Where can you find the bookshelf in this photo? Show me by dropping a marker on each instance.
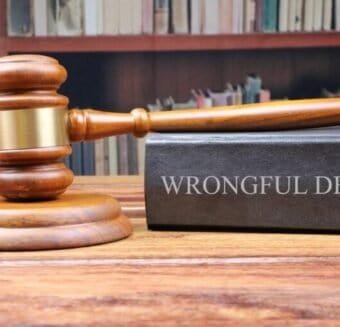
(172, 42)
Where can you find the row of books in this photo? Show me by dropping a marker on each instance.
(251, 91)
(116, 155)
(135, 17)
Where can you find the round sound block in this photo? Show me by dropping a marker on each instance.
(73, 220)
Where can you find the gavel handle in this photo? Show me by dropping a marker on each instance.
(92, 124)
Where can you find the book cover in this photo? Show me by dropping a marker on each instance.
(317, 17)
(111, 17)
(147, 17)
(180, 16)
(69, 17)
(196, 16)
(283, 15)
(161, 16)
(308, 15)
(88, 155)
(249, 16)
(327, 15)
(40, 17)
(237, 16)
(226, 16)
(211, 22)
(90, 17)
(267, 180)
(20, 18)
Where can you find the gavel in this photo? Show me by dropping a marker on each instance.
(36, 129)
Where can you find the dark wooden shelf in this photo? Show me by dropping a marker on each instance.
(171, 42)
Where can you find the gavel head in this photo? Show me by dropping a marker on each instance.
(33, 128)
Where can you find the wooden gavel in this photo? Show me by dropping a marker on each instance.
(36, 128)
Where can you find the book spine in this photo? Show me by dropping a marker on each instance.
(327, 15)
(88, 158)
(123, 155)
(90, 17)
(283, 16)
(52, 12)
(19, 18)
(113, 156)
(180, 16)
(147, 13)
(196, 16)
(99, 157)
(308, 15)
(141, 155)
(161, 16)
(100, 18)
(40, 17)
(258, 15)
(317, 18)
(70, 18)
(136, 13)
(250, 14)
(291, 16)
(298, 15)
(337, 15)
(211, 22)
(77, 159)
(111, 17)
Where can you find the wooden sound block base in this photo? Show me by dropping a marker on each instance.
(73, 220)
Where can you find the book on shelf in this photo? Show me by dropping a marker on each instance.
(237, 16)
(269, 16)
(317, 18)
(111, 17)
(69, 17)
(196, 18)
(90, 17)
(19, 18)
(337, 15)
(327, 15)
(180, 16)
(249, 16)
(225, 16)
(210, 17)
(308, 15)
(161, 16)
(40, 17)
(147, 17)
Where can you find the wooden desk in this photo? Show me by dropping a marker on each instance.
(167, 278)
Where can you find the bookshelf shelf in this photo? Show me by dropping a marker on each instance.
(158, 43)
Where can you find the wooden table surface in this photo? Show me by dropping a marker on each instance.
(174, 278)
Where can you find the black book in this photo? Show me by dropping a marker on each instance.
(287, 180)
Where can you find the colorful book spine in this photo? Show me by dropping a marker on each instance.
(161, 16)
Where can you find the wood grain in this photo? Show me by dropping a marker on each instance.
(174, 278)
(146, 43)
